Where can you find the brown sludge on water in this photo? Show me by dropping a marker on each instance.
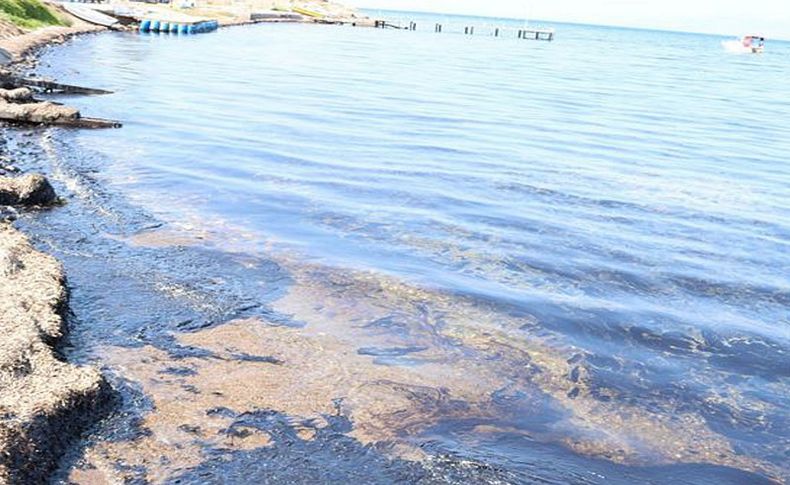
(395, 360)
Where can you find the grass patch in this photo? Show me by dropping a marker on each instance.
(28, 14)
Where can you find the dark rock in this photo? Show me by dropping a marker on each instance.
(32, 189)
(8, 214)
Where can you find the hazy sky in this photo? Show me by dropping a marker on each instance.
(769, 17)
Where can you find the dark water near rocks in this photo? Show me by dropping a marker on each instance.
(596, 229)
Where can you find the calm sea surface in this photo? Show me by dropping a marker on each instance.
(597, 228)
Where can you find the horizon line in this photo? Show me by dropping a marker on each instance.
(580, 24)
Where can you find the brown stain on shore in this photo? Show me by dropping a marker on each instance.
(460, 356)
(315, 371)
(192, 232)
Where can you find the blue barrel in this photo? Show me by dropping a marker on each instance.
(184, 29)
(154, 26)
(164, 27)
(174, 28)
(145, 26)
(192, 29)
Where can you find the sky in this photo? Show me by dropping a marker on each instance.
(730, 17)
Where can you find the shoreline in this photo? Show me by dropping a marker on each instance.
(47, 403)
(24, 47)
(198, 385)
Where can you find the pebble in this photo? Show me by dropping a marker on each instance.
(8, 214)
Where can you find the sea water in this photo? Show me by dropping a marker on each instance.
(599, 224)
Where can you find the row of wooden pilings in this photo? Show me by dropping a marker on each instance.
(532, 34)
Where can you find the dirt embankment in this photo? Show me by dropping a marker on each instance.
(44, 401)
(19, 42)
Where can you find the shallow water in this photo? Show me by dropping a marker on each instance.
(559, 261)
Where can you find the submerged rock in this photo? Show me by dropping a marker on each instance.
(32, 189)
(44, 401)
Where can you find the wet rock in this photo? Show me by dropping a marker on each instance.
(44, 112)
(44, 401)
(8, 214)
(18, 95)
(32, 189)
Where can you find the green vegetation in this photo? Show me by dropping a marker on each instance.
(28, 14)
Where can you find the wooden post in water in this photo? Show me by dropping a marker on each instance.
(496, 32)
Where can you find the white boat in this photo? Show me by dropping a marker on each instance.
(754, 42)
(90, 15)
(751, 44)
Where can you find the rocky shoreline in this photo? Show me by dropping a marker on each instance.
(45, 402)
